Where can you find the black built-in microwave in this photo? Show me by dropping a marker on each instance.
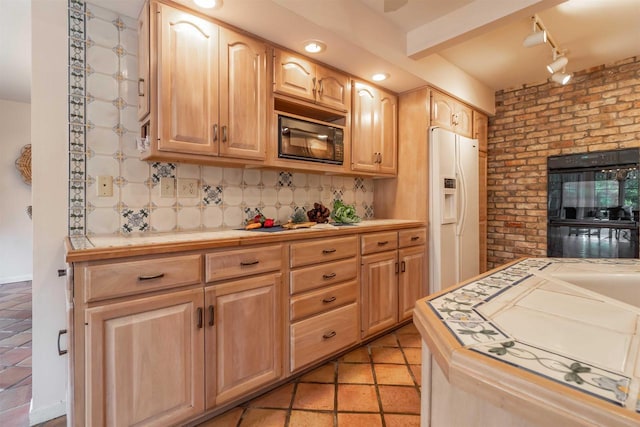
(311, 141)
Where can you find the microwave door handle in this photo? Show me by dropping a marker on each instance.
(306, 132)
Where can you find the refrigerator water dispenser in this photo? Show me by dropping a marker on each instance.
(449, 208)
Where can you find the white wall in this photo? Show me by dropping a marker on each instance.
(50, 177)
(15, 226)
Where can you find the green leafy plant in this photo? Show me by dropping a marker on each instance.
(344, 213)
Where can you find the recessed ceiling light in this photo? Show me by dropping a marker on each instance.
(208, 4)
(314, 46)
(378, 77)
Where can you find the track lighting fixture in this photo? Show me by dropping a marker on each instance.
(559, 62)
(537, 36)
(562, 78)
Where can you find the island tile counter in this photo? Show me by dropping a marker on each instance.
(538, 342)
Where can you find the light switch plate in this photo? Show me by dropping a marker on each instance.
(167, 187)
(105, 186)
(187, 187)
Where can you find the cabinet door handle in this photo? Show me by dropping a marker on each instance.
(321, 88)
(224, 133)
(397, 268)
(60, 333)
(314, 87)
(199, 314)
(383, 243)
(247, 263)
(328, 276)
(328, 300)
(215, 133)
(151, 276)
(402, 267)
(414, 238)
(379, 157)
(329, 335)
(328, 251)
(140, 86)
(211, 313)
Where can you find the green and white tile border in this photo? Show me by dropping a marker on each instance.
(458, 311)
(102, 130)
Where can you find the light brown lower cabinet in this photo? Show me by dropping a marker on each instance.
(379, 292)
(411, 279)
(145, 361)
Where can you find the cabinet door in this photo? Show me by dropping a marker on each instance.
(388, 133)
(248, 336)
(243, 70)
(294, 75)
(145, 361)
(143, 62)
(187, 82)
(412, 279)
(480, 132)
(441, 110)
(333, 89)
(463, 122)
(379, 292)
(365, 134)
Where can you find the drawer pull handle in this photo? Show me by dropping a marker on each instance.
(247, 263)
(414, 238)
(403, 267)
(329, 335)
(328, 300)
(383, 243)
(211, 322)
(329, 276)
(328, 251)
(60, 351)
(199, 314)
(150, 276)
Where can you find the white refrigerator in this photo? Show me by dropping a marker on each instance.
(453, 209)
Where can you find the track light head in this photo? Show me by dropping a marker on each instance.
(558, 64)
(535, 38)
(561, 78)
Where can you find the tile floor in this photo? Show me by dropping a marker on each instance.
(377, 384)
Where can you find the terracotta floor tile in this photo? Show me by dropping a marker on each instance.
(56, 422)
(324, 374)
(357, 398)
(228, 419)
(393, 374)
(314, 396)
(355, 373)
(15, 396)
(12, 375)
(359, 355)
(396, 420)
(387, 355)
(410, 340)
(385, 341)
(264, 418)
(413, 355)
(15, 314)
(359, 420)
(4, 323)
(278, 398)
(311, 419)
(14, 356)
(405, 400)
(15, 417)
(408, 329)
(417, 373)
(26, 362)
(26, 381)
(19, 326)
(16, 340)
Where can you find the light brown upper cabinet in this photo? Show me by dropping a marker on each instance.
(301, 78)
(450, 114)
(143, 62)
(374, 134)
(211, 89)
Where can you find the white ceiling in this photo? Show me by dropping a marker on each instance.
(483, 38)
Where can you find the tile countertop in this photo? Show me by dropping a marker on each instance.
(544, 334)
(85, 248)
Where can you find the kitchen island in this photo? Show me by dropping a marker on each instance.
(537, 342)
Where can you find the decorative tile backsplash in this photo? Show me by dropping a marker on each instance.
(103, 127)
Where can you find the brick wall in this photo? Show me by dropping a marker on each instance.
(598, 110)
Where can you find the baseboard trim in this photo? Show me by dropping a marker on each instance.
(13, 279)
(48, 413)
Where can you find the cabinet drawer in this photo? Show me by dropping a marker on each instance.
(414, 237)
(243, 262)
(316, 251)
(379, 242)
(322, 300)
(321, 335)
(323, 275)
(134, 277)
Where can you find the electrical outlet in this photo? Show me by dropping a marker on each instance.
(105, 186)
(187, 187)
(167, 187)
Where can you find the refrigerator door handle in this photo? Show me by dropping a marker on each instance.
(461, 193)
